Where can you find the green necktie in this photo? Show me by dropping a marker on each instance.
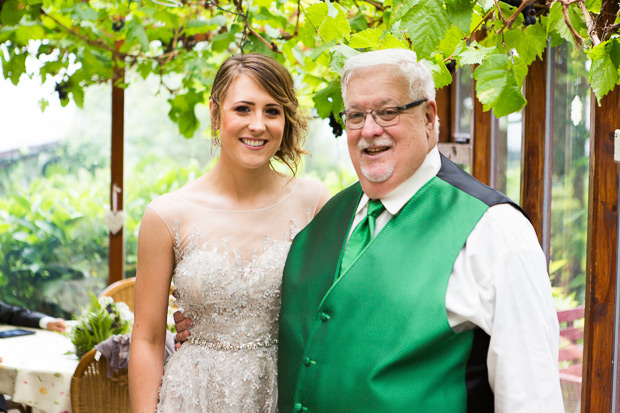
(362, 234)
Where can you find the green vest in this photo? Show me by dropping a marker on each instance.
(377, 339)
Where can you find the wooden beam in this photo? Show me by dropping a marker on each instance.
(602, 251)
(533, 145)
(444, 99)
(480, 140)
(459, 153)
(601, 256)
(116, 259)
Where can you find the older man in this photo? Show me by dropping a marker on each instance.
(418, 288)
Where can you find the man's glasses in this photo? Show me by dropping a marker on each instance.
(388, 116)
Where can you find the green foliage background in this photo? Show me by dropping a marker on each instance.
(79, 42)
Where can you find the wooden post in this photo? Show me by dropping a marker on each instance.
(533, 145)
(601, 261)
(602, 257)
(117, 241)
(444, 98)
(480, 140)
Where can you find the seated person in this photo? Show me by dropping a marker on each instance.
(22, 317)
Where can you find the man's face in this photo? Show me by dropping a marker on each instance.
(384, 157)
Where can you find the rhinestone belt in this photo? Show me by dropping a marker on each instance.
(223, 345)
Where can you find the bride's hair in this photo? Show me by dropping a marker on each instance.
(278, 83)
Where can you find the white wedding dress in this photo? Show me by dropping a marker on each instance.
(227, 277)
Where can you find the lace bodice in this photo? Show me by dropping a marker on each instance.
(227, 277)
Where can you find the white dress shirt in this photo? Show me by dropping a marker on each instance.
(499, 283)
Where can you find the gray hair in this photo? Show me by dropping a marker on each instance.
(418, 74)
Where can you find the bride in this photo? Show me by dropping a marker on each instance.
(223, 239)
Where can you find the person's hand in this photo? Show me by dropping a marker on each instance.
(0, 359)
(181, 323)
(57, 325)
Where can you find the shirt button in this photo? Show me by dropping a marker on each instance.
(306, 361)
(299, 407)
(323, 317)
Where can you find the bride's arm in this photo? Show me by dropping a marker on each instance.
(155, 266)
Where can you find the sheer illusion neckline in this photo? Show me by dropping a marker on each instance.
(206, 208)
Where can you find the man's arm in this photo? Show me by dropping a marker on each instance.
(18, 316)
(506, 291)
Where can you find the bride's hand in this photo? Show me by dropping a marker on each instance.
(181, 323)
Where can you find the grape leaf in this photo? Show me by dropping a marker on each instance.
(11, 13)
(426, 24)
(339, 56)
(441, 74)
(473, 54)
(604, 74)
(520, 69)
(460, 13)
(485, 4)
(401, 7)
(328, 100)
(529, 42)
(451, 40)
(24, 34)
(322, 48)
(182, 112)
(366, 38)
(329, 28)
(392, 42)
(496, 86)
(594, 6)
(136, 32)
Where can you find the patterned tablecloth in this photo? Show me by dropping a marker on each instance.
(36, 370)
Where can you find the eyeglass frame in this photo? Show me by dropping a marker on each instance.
(374, 115)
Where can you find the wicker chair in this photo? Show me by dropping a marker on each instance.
(121, 291)
(93, 392)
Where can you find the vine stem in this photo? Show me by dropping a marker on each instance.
(514, 15)
(272, 46)
(589, 23)
(96, 43)
(578, 39)
(315, 29)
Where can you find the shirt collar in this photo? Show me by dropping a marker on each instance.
(395, 200)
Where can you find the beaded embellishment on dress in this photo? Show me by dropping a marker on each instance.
(234, 305)
(227, 279)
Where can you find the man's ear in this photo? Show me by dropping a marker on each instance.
(431, 114)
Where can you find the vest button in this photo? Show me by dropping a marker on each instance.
(299, 407)
(306, 361)
(323, 317)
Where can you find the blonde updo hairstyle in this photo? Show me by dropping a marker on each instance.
(278, 83)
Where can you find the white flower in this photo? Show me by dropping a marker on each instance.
(576, 109)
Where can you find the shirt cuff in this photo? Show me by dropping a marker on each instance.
(43, 322)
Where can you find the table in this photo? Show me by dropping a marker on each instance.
(36, 369)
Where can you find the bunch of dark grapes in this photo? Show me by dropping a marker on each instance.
(335, 125)
(528, 12)
(118, 25)
(451, 65)
(61, 88)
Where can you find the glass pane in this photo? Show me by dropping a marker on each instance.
(506, 158)
(463, 104)
(570, 125)
(53, 243)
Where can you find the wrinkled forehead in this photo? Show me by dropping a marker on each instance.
(377, 85)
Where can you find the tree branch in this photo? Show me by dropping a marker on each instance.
(499, 11)
(508, 23)
(578, 39)
(271, 45)
(589, 23)
(96, 43)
